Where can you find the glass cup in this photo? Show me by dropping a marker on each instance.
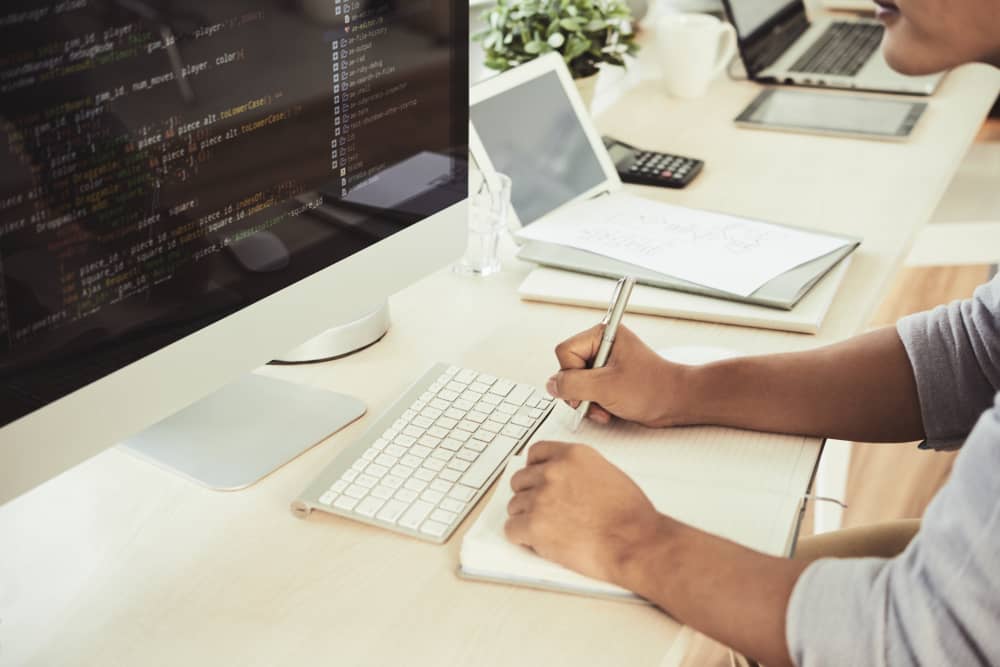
(489, 210)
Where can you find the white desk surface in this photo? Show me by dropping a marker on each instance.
(118, 563)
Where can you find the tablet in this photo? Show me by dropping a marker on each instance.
(832, 113)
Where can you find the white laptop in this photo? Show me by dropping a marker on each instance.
(531, 124)
(779, 44)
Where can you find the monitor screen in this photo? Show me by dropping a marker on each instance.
(533, 135)
(165, 163)
(749, 15)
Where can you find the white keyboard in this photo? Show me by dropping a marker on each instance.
(429, 458)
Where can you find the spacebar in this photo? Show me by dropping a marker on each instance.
(488, 461)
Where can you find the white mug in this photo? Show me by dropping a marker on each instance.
(693, 49)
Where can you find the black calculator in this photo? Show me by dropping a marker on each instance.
(635, 165)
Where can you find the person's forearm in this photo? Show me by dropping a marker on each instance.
(861, 389)
(734, 595)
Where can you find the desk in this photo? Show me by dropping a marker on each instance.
(117, 563)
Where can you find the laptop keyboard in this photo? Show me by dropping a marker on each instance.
(842, 50)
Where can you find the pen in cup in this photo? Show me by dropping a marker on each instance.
(612, 319)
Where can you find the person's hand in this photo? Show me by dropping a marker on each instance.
(575, 508)
(637, 384)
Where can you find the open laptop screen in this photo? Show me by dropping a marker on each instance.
(749, 15)
(533, 135)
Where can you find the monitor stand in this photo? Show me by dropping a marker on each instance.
(244, 431)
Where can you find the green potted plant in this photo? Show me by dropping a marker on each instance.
(588, 34)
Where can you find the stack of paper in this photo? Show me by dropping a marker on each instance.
(719, 251)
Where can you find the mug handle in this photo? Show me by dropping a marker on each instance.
(727, 48)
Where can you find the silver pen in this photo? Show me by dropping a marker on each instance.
(613, 318)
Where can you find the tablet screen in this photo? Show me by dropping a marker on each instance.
(532, 133)
(851, 114)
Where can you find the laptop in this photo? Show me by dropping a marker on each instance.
(778, 44)
(531, 124)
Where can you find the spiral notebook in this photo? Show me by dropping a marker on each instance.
(733, 483)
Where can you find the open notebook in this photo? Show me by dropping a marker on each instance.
(737, 484)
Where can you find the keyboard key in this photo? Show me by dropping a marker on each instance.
(339, 485)
(440, 404)
(432, 496)
(459, 465)
(370, 454)
(345, 503)
(476, 416)
(424, 474)
(473, 396)
(460, 435)
(463, 404)
(392, 510)
(468, 454)
(327, 498)
(514, 431)
(449, 475)
(452, 370)
(366, 481)
(451, 444)
(500, 417)
(433, 528)
(454, 413)
(501, 387)
(359, 464)
(403, 440)
(418, 405)
(434, 464)
(386, 460)
(520, 394)
(477, 445)
(406, 495)
(411, 461)
(431, 413)
(349, 475)
(507, 408)
(462, 493)
(521, 420)
(356, 491)
(429, 441)
(369, 506)
(402, 471)
(466, 376)
(394, 450)
(488, 461)
(380, 444)
(377, 471)
(480, 387)
(535, 413)
(415, 485)
(438, 432)
(486, 378)
(444, 516)
(415, 515)
(442, 454)
(457, 386)
(441, 486)
(422, 422)
(492, 426)
(466, 425)
(383, 492)
(484, 435)
(452, 505)
(419, 451)
(446, 423)
(392, 481)
(409, 415)
(491, 399)
(448, 395)
(435, 387)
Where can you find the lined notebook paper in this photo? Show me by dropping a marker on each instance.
(733, 483)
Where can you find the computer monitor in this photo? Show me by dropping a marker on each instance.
(189, 189)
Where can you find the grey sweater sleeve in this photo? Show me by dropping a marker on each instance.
(939, 602)
(955, 354)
